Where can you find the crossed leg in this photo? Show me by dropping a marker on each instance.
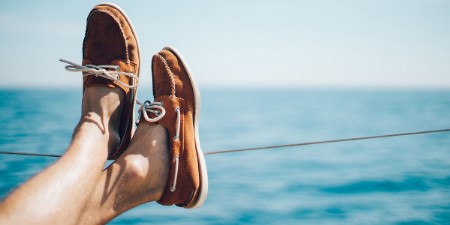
(59, 194)
(75, 190)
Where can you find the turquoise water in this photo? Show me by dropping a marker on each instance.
(404, 180)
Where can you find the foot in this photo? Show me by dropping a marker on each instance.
(110, 60)
(177, 109)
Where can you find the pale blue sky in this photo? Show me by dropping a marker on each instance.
(363, 44)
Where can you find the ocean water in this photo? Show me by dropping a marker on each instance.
(402, 180)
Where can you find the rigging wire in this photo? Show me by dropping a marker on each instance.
(328, 141)
(273, 146)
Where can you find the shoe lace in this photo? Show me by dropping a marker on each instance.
(102, 71)
(150, 107)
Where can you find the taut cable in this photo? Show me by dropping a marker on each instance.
(274, 146)
(328, 141)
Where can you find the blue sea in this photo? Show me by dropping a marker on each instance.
(401, 180)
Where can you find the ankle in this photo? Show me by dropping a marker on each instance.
(145, 177)
(146, 164)
(103, 102)
(102, 110)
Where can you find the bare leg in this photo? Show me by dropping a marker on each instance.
(59, 194)
(137, 177)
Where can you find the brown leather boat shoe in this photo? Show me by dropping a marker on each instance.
(177, 108)
(111, 58)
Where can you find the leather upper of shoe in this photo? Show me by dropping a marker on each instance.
(172, 86)
(171, 72)
(109, 40)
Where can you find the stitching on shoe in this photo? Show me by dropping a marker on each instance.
(171, 75)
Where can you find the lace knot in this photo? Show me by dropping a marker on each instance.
(102, 71)
(151, 107)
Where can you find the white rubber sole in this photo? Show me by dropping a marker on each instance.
(112, 5)
(203, 192)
